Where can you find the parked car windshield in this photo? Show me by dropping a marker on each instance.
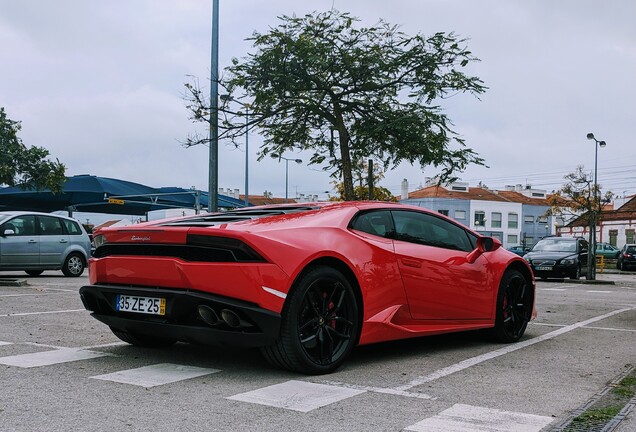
(554, 245)
(631, 249)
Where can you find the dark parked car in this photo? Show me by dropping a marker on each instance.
(35, 242)
(519, 250)
(559, 257)
(627, 257)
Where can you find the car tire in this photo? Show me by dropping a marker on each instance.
(74, 265)
(143, 340)
(577, 273)
(514, 307)
(34, 272)
(319, 324)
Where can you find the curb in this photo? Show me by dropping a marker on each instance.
(13, 282)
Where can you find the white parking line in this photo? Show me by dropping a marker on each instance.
(5, 343)
(382, 390)
(42, 313)
(155, 375)
(465, 364)
(37, 294)
(467, 418)
(599, 292)
(297, 395)
(47, 358)
(552, 289)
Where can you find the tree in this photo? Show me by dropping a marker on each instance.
(26, 166)
(349, 93)
(361, 189)
(581, 197)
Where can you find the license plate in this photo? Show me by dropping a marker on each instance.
(145, 305)
(544, 268)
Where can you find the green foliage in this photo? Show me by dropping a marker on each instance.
(26, 166)
(324, 83)
(579, 195)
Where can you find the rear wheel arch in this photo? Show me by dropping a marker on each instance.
(523, 269)
(320, 321)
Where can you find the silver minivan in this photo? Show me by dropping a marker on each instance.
(35, 242)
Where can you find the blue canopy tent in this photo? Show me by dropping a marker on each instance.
(92, 194)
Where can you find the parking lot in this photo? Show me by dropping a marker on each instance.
(62, 370)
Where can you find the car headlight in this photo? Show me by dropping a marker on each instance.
(567, 261)
(527, 259)
(99, 240)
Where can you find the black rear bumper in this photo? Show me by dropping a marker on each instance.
(259, 327)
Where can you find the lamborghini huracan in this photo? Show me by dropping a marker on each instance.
(305, 283)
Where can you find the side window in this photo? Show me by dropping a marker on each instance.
(72, 227)
(21, 225)
(377, 223)
(429, 230)
(50, 225)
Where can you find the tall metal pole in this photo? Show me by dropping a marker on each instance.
(594, 213)
(286, 177)
(596, 202)
(247, 154)
(213, 177)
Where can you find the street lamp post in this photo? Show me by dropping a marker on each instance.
(213, 173)
(596, 203)
(247, 152)
(279, 157)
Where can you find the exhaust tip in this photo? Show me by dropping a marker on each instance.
(230, 318)
(208, 315)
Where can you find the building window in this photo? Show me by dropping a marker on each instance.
(495, 221)
(629, 235)
(444, 212)
(613, 234)
(528, 219)
(542, 219)
(480, 218)
(513, 220)
(497, 235)
(460, 214)
(513, 239)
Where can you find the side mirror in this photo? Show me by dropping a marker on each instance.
(8, 232)
(484, 244)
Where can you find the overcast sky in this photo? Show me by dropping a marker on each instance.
(100, 85)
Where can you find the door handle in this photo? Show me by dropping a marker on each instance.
(32, 242)
(411, 263)
(63, 241)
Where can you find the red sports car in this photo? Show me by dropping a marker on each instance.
(305, 283)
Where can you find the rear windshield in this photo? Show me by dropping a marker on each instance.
(631, 249)
(553, 245)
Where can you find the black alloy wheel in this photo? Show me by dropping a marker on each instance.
(514, 307)
(320, 324)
